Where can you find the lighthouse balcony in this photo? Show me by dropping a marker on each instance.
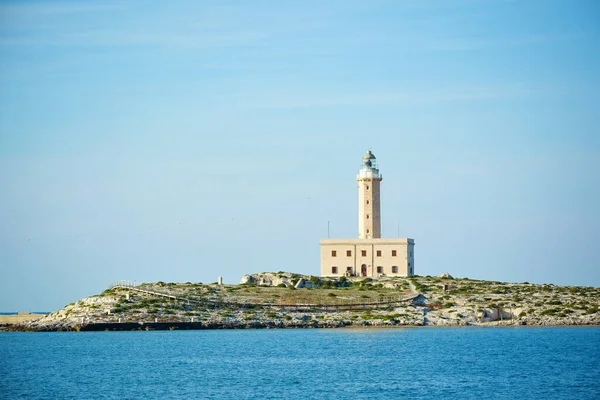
(369, 174)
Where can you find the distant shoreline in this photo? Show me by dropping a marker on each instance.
(31, 312)
(199, 326)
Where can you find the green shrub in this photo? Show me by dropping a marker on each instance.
(326, 285)
(366, 315)
(551, 311)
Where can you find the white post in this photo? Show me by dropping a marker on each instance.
(220, 281)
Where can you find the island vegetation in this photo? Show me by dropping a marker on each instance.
(287, 300)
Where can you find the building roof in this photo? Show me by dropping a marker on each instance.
(369, 156)
(367, 241)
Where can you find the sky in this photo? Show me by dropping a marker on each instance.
(183, 141)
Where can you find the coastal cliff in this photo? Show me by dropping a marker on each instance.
(287, 300)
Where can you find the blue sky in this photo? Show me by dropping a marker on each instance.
(173, 141)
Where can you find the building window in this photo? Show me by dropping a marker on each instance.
(333, 253)
(394, 253)
(394, 269)
(368, 231)
(348, 253)
(411, 253)
(409, 264)
(380, 270)
(367, 187)
(378, 253)
(363, 253)
(349, 269)
(368, 216)
(334, 270)
(368, 202)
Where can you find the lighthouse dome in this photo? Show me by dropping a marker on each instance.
(369, 156)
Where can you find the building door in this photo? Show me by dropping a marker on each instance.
(363, 270)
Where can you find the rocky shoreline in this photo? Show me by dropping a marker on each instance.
(287, 300)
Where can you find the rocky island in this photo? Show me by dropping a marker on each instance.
(287, 300)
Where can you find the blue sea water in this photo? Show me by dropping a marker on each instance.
(414, 363)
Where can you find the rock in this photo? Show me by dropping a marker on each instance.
(266, 279)
(304, 283)
(419, 301)
(446, 275)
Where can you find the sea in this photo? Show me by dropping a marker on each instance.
(395, 363)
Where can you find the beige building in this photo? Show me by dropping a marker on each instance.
(370, 254)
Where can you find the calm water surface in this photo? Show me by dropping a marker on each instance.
(465, 363)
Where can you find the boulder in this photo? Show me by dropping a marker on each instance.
(304, 283)
(265, 279)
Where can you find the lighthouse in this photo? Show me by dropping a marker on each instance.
(370, 254)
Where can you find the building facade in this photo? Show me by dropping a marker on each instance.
(370, 254)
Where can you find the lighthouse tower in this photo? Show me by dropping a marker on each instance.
(369, 209)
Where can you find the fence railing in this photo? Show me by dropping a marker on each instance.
(298, 304)
(125, 284)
